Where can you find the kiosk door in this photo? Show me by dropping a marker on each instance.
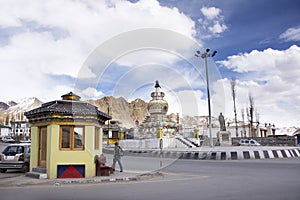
(42, 147)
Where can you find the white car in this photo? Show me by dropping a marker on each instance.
(15, 156)
(8, 139)
(26, 140)
(248, 142)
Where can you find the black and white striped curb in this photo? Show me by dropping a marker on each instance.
(220, 154)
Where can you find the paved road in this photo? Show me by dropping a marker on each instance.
(186, 179)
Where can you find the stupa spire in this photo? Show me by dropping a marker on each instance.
(157, 84)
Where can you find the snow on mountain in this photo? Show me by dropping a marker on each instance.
(15, 111)
(120, 109)
(11, 103)
(3, 106)
(24, 105)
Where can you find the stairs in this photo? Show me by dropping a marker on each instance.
(38, 173)
(191, 142)
(184, 141)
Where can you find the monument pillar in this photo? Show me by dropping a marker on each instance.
(159, 133)
(224, 137)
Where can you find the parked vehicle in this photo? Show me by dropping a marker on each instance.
(8, 139)
(26, 140)
(248, 142)
(15, 156)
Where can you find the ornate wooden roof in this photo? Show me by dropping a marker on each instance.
(70, 106)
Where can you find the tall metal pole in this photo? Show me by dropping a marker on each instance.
(204, 56)
(233, 90)
(107, 103)
(209, 107)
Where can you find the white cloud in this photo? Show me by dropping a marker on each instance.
(212, 24)
(65, 33)
(274, 86)
(91, 93)
(210, 12)
(268, 63)
(291, 34)
(187, 102)
(217, 28)
(248, 62)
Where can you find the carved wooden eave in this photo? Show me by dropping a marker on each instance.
(68, 110)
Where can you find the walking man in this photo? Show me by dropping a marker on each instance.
(118, 152)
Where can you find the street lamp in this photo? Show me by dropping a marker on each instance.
(107, 103)
(205, 55)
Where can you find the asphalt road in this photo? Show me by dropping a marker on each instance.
(185, 179)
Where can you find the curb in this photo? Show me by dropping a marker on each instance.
(220, 153)
(105, 180)
(19, 181)
(94, 180)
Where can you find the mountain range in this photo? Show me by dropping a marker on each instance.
(119, 108)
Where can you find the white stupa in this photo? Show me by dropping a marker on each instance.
(158, 120)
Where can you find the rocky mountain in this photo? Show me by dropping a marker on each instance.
(3, 106)
(121, 110)
(138, 109)
(12, 103)
(15, 110)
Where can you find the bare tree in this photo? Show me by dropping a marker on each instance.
(243, 116)
(233, 90)
(6, 119)
(22, 116)
(251, 115)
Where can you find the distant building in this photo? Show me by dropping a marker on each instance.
(297, 135)
(4, 131)
(20, 129)
(113, 131)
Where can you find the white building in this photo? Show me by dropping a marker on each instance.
(20, 129)
(4, 131)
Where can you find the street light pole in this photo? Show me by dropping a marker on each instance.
(205, 55)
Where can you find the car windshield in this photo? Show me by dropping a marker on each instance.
(13, 150)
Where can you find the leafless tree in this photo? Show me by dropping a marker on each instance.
(233, 91)
(250, 114)
(243, 116)
(6, 119)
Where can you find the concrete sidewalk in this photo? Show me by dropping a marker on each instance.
(20, 180)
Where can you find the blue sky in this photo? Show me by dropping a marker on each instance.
(116, 47)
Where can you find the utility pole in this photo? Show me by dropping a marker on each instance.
(233, 90)
(244, 128)
(250, 116)
(205, 55)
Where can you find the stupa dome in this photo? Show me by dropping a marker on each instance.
(157, 104)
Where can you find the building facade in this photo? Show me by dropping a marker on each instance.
(20, 129)
(4, 131)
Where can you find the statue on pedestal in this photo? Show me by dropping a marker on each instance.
(222, 122)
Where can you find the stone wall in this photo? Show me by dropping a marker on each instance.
(270, 141)
(168, 143)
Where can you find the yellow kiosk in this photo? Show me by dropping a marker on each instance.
(66, 135)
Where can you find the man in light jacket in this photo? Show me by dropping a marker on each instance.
(118, 153)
